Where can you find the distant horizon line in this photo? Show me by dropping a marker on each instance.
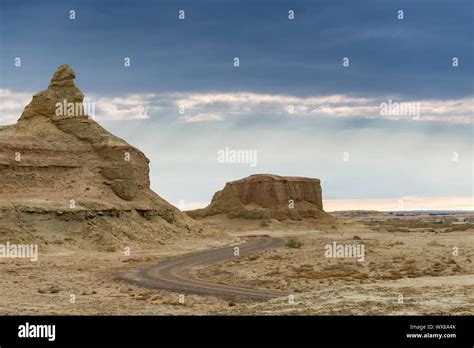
(400, 204)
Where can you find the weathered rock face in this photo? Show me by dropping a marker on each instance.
(123, 167)
(267, 196)
(61, 166)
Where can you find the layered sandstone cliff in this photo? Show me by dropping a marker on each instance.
(63, 176)
(265, 196)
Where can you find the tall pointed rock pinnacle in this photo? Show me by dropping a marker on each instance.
(63, 77)
(60, 90)
(68, 170)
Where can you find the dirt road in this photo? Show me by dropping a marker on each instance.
(177, 274)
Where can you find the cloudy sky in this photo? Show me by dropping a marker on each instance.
(377, 106)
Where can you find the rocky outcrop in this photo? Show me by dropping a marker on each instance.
(123, 167)
(265, 196)
(62, 172)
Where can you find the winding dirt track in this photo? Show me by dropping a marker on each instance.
(177, 274)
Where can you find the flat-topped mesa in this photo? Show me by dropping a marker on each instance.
(267, 196)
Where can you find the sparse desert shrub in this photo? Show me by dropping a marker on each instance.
(356, 237)
(434, 242)
(398, 229)
(172, 303)
(265, 222)
(54, 289)
(273, 273)
(458, 228)
(395, 274)
(294, 243)
(111, 248)
(275, 257)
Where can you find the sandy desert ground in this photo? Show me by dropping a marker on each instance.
(410, 267)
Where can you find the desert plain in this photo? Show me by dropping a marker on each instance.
(409, 268)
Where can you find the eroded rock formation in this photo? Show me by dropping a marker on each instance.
(65, 174)
(265, 196)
